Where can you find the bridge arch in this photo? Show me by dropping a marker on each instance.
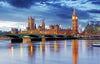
(32, 35)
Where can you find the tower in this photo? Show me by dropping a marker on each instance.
(43, 24)
(34, 26)
(56, 27)
(74, 23)
(31, 23)
(80, 29)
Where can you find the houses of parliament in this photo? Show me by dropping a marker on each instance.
(53, 29)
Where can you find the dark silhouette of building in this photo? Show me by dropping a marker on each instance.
(14, 31)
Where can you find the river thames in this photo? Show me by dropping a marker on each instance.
(50, 52)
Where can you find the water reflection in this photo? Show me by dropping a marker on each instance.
(65, 44)
(31, 53)
(48, 44)
(43, 47)
(55, 47)
(21, 49)
(75, 51)
(28, 40)
(12, 48)
(45, 52)
(89, 44)
(60, 43)
(31, 50)
(79, 44)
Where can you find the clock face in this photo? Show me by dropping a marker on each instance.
(73, 17)
(76, 17)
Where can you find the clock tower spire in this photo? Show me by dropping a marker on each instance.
(74, 23)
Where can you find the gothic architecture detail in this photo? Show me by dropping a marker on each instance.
(74, 23)
(31, 23)
(43, 24)
(53, 29)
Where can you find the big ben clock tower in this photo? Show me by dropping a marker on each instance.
(74, 23)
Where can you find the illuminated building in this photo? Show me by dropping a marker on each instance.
(74, 23)
(31, 23)
(14, 30)
(93, 28)
(53, 29)
(43, 24)
(80, 29)
(75, 52)
(31, 51)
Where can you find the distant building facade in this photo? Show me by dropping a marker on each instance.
(14, 31)
(93, 28)
(80, 29)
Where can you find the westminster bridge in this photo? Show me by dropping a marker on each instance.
(35, 37)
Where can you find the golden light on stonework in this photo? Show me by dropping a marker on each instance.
(76, 17)
(73, 17)
(12, 50)
(11, 31)
(74, 11)
(31, 32)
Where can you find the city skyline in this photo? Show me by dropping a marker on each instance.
(14, 13)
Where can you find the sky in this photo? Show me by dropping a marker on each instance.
(14, 13)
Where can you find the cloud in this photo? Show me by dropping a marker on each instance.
(54, 11)
(47, 27)
(83, 20)
(96, 3)
(64, 16)
(94, 0)
(94, 11)
(21, 3)
(58, 5)
(7, 25)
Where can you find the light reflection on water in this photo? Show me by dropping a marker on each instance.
(50, 52)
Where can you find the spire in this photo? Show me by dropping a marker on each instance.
(43, 24)
(43, 20)
(34, 20)
(34, 26)
(34, 17)
(28, 17)
(74, 12)
(31, 17)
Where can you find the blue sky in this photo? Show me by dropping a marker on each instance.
(14, 13)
